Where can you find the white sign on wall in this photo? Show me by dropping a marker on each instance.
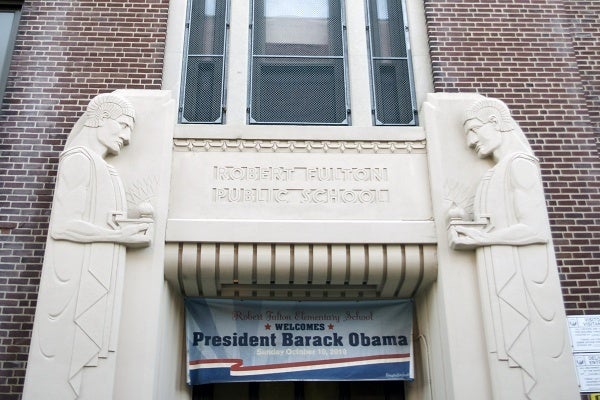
(588, 371)
(585, 333)
(585, 338)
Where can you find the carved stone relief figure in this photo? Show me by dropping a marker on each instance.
(520, 290)
(79, 301)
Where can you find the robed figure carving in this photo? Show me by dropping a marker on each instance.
(79, 302)
(519, 284)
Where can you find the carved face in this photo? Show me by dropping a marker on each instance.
(483, 137)
(115, 133)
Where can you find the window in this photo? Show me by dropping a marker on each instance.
(391, 80)
(204, 70)
(288, 62)
(10, 11)
(297, 62)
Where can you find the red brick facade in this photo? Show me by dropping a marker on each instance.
(585, 27)
(540, 56)
(65, 53)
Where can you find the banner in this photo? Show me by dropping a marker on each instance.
(250, 340)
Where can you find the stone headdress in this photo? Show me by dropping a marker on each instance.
(102, 107)
(482, 110)
(106, 106)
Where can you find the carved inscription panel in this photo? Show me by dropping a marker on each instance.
(228, 185)
(300, 185)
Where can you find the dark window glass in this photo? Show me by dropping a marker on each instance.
(203, 87)
(298, 62)
(9, 21)
(393, 92)
(323, 390)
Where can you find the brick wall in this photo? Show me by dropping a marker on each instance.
(542, 57)
(66, 52)
(524, 53)
(585, 27)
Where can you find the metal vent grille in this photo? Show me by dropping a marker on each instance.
(203, 88)
(392, 92)
(393, 88)
(203, 83)
(297, 91)
(298, 65)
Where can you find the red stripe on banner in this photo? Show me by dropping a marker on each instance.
(231, 361)
(236, 364)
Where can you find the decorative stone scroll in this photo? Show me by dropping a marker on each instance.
(79, 302)
(519, 285)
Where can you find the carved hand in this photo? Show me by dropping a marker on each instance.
(465, 238)
(134, 235)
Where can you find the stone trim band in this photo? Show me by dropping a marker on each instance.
(300, 146)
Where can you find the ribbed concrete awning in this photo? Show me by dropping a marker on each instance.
(300, 270)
